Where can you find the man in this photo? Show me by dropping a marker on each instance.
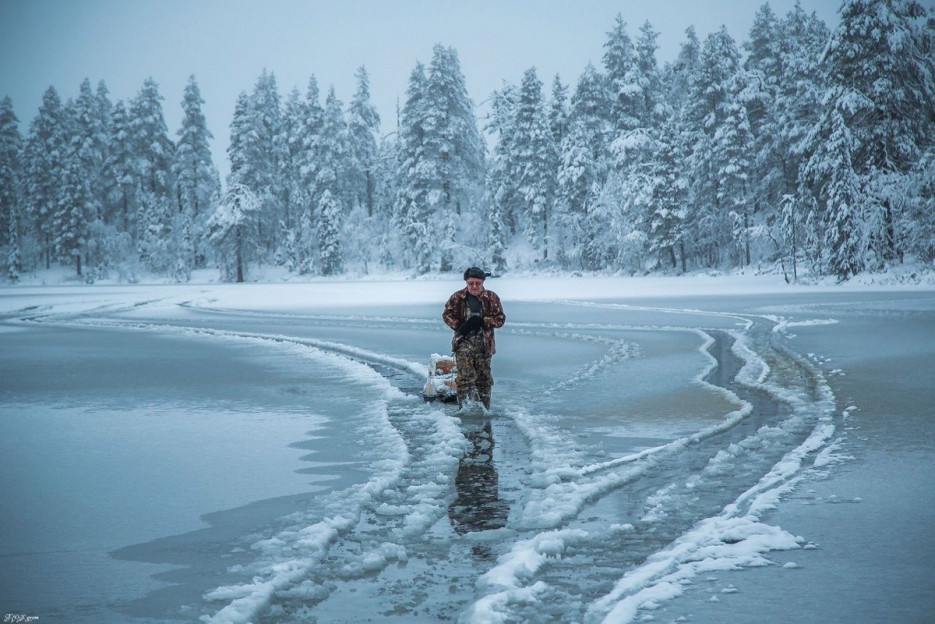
(473, 313)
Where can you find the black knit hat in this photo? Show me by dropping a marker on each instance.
(475, 272)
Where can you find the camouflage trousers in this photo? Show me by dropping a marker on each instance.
(473, 361)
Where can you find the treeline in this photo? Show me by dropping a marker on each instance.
(801, 148)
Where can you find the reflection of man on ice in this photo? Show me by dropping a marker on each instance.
(473, 313)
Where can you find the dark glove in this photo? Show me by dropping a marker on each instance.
(473, 324)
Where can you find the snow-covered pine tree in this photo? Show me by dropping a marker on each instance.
(734, 153)
(921, 236)
(880, 70)
(585, 161)
(330, 221)
(232, 230)
(89, 145)
(46, 146)
(761, 89)
(294, 195)
(121, 175)
(502, 186)
(11, 190)
(782, 95)
(74, 212)
(199, 185)
(666, 226)
(263, 148)
(363, 126)
(334, 153)
(453, 149)
(558, 110)
(711, 96)
(154, 153)
(302, 125)
(411, 209)
(619, 60)
(309, 156)
(334, 163)
(677, 76)
(535, 158)
(578, 177)
(842, 236)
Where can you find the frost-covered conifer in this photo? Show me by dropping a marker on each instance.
(330, 216)
(363, 126)
(11, 190)
(880, 71)
(121, 174)
(535, 158)
(232, 230)
(199, 186)
(46, 147)
(412, 210)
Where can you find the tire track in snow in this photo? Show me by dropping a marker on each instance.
(786, 421)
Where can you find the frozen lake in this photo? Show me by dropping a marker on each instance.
(261, 453)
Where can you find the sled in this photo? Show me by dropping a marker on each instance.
(441, 384)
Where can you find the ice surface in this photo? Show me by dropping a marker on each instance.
(261, 453)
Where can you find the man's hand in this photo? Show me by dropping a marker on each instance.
(473, 324)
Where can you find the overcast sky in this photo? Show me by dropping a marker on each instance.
(226, 44)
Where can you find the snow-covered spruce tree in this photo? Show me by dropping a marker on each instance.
(154, 153)
(453, 152)
(585, 161)
(764, 174)
(263, 148)
(389, 237)
(74, 212)
(734, 153)
(332, 175)
(11, 190)
(558, 110)
(497, 240)
(677, 76)
(666, 226)
(46, 146)
(412, 211)
(363, 127)
(302, 125)
(232, 230)
(292, 128)
(536, 161)
(90, 146)
(782, 95)
(880, 72)
(619, 60)
(199, 185)
(502, 185)
(121, 176)
(330, 221)
(334, 153)
(501, 197)
(921, 236)
(363, 222)
(711, 96)
(626, 195)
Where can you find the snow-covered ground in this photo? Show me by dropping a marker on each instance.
(260, 453)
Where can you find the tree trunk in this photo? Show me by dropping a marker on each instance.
(238, 256)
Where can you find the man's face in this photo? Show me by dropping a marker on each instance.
(475, 285)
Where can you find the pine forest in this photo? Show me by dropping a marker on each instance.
(801, 150)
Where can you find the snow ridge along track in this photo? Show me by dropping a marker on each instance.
(694, 504)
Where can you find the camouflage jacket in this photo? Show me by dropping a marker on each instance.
(456, 312)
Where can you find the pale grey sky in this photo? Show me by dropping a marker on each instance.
(226, 44)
